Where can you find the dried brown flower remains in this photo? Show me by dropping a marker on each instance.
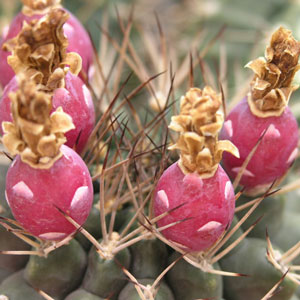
(40, 51)
(39, 7)
(198, 124)
(35, 134)
(272, 84)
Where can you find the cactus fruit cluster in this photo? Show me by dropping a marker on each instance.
(98, 206)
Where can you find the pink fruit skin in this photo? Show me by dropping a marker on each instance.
(79, 42)
(32, 195)
(274, 155)
(208, 202)
(75, 100)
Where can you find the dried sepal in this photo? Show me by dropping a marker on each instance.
(36, 134)
(272, 84)
(198, 125)
(40, 51)
(39, 7)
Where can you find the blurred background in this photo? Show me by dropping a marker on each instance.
(247, 22)
(220, 35)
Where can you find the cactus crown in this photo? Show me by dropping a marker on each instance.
(35, 134)
(40, 51)
(39, 7)
(198, 124)
(272, 85)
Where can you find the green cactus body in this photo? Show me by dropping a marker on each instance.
(9, 242)
(130, 293)
(292, 200)
(4, 274)
(188, 282)
(271, 208)
(81, 294)
(251, 260)
(124, 217)
(234, 237)
(149, 258)
(93, 226)
(289, 225)
(59, 273)
(104, 277)
(16, 288)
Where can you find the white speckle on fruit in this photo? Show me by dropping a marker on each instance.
(6, 198)
(210, 226)
(163, 198)
(87, 95)
(68, 28)
(228, 127)
(52, 236)
(80, 194)
(272, 132)
(5, 32)
(227, 189)
(293, 156)
(22, 190)
(245, 173)
(92, 72)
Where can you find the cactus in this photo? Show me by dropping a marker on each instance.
(123, 218)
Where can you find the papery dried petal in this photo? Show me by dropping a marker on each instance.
(273, 74)
(198, 124)
(35, 135)
(39, 7)
(40, 51)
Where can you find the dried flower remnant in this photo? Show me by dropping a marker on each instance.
(198, 124)
(272, 84)
(32, 7)
(35, 134)
(40, 51)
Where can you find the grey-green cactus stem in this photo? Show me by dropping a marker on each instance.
(251, 259)
(15, 288)
(60, 273)
(270, 209)
(149, 258)
(188, 282)
(9, 241)
(82, 294)
(129, 292)
(104, 277)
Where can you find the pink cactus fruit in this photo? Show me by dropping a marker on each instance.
(45, 174)
(79, 40)
(35, 194)
(265, 111)
(196, 190)
(68, 90)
